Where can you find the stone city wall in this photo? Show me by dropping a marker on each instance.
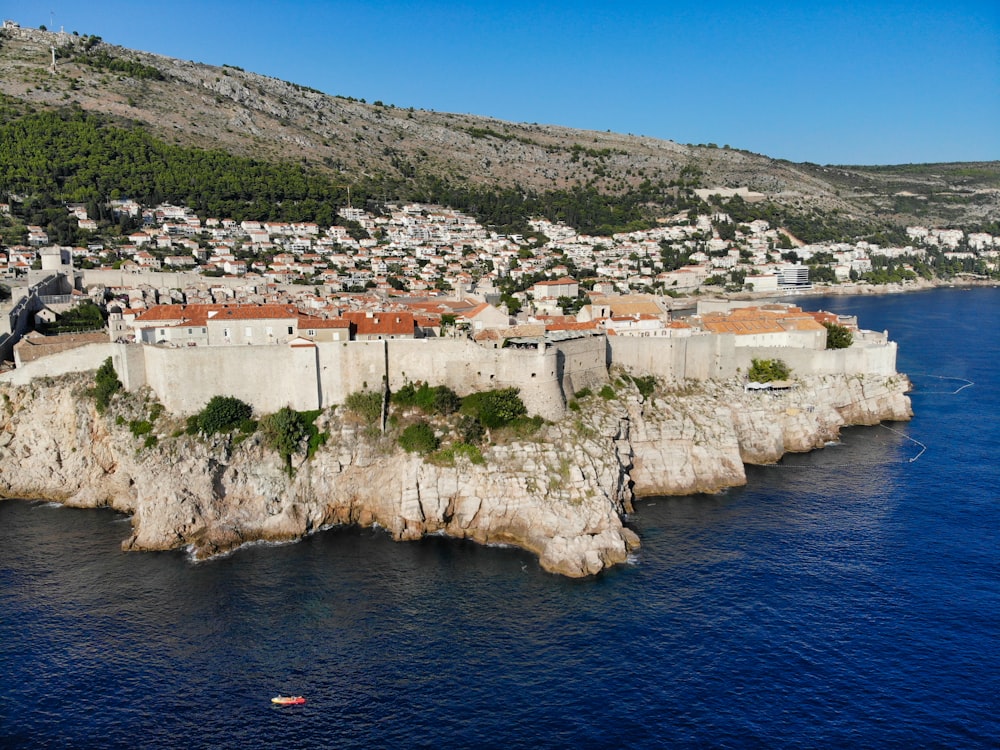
(80, 359)
(856, 360)
(324, 374)
(676, 359)
(716, 357)
(17, 317)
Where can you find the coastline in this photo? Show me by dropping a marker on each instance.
(863, 289)
(563, 494)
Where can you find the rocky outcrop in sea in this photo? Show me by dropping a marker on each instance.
(563, 492)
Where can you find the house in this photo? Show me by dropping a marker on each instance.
(217, 325)
(768, 325)
(324, 329)
(252, 325)
(375, 326)
(179, 325)
(641, 325)
(563, 287)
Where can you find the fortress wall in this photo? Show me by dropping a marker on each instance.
(348, 366)
(791, 339)
(582, 364)
(662, 357)
(19, 316)
(856, 360)
(676, 359)
(80, 359)
(458, 363)
(129, 361)
(311, 377)
(710, 357)
(467, 367)
(268, 377)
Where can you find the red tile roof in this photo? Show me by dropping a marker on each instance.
(199, 314)
(382, 323)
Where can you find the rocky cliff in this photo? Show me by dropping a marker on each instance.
(562, 493)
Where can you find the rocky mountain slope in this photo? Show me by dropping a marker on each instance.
(563, 494)
(249, 114)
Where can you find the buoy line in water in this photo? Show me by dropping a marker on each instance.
(923, 448)
(813, 467)
(912, 440)
(968, 384)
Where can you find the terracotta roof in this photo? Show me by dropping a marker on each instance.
(382, 323)
(199, 314)
(751, 320)
(574, 325)
(518, 331)
(256, 312)
(825, 317)
(557, 282)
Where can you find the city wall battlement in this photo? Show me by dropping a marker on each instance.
(319, 375)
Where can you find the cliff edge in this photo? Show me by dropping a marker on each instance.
(562, 492)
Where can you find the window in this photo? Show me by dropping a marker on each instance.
(225, 333)
(289, 330)
(311, 332)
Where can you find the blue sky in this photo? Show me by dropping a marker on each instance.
(832, 83)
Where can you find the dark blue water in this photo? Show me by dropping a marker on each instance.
(848, 597)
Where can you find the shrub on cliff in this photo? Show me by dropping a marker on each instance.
(471, 430)
(439, 399)
(767, 370)
(837, 336)
(365, 404)
(286, 431)
(645, 384)
(494, 409)
(419, 437)
(222, 414)
(106, 385)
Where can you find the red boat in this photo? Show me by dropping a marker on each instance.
(288, 700)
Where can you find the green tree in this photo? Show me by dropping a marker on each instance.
(497, 408)
(85, 317)
(106, 384)
(768, 370)
(222, 414)
(837, 336)
(285, 431)
(419, 437)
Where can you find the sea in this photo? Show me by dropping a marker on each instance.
(849, 597)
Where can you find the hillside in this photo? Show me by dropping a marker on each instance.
(375, 146)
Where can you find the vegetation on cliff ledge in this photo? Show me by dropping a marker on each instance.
(106, 385)
(768, 370)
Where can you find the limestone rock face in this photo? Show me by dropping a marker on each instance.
(562, 493)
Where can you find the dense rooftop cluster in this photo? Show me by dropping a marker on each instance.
(425, 250)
